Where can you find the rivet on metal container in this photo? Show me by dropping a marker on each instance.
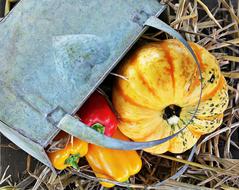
(54, 54)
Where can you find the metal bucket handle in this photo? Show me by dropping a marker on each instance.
(78, 129)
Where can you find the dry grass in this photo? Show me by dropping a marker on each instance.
(216, 162)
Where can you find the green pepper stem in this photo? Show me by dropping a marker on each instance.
(73, 161)
(99, 127)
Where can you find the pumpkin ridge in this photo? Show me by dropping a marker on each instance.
(129, 99)
(145, 125)
(194, 84)
(146, 136)
(146, 83)
(219, 87)
(198, 51)
(204, 129)
(124, 119)
(187, 61)
(210, 118)
(181, 140)
(169, 59)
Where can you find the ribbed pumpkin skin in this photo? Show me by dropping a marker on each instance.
(161, 74)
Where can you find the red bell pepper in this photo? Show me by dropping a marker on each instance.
(97, 113)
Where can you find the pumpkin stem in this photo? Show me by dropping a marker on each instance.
(171, 112)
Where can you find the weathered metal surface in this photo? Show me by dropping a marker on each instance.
(54, 54)
(32, 148)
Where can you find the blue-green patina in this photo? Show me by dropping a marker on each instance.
(53, 54)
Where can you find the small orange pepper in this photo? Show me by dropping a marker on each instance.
(112, 164)
(70, 155)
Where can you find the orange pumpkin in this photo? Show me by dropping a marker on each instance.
(161, 91)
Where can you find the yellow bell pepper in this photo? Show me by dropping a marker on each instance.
(111, 164)
(70, 155)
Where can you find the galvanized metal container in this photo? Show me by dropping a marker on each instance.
(54, 54)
